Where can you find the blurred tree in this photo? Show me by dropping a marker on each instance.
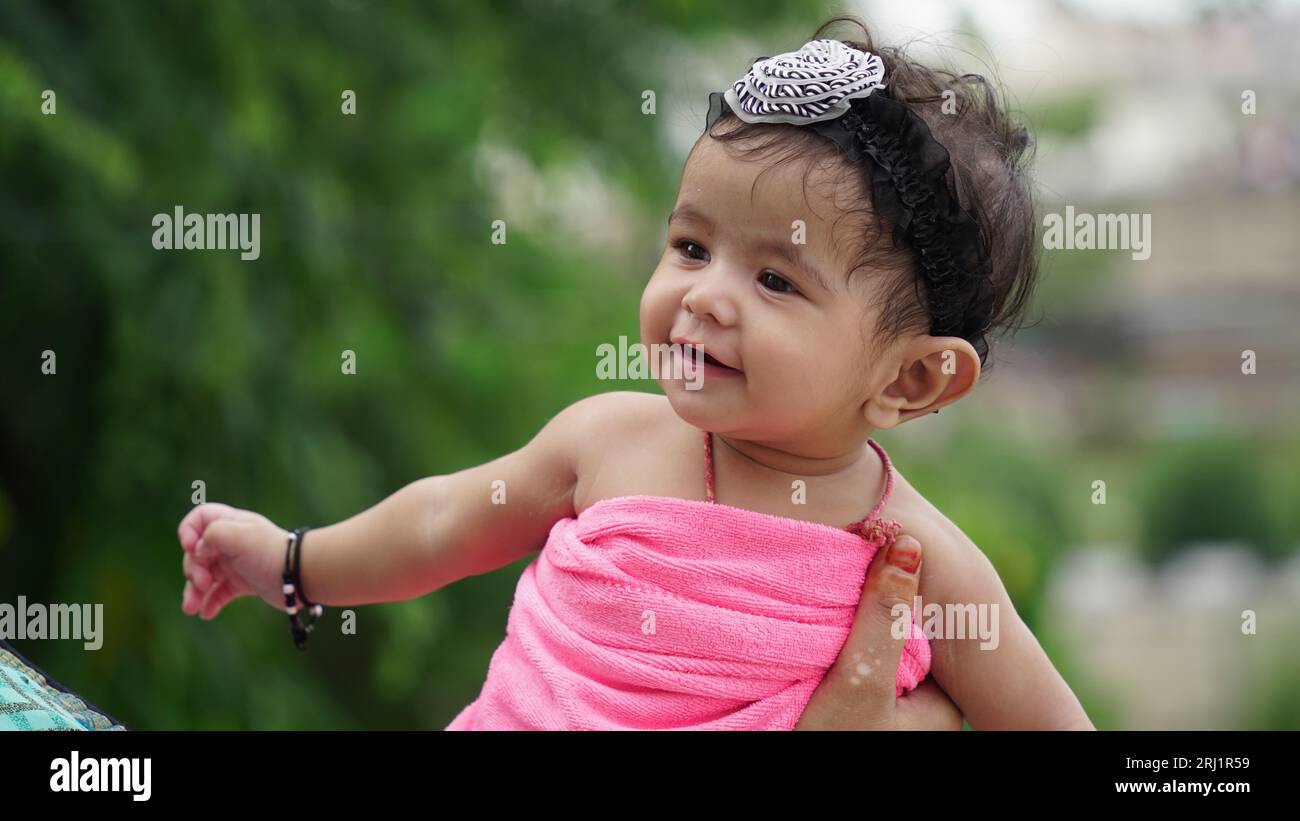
(175, 366)
(1207, 490)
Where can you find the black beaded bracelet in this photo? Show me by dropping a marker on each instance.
(293, 592)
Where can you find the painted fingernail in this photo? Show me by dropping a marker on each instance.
(905, 554)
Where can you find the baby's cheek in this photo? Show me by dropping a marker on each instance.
(655, 309)
(646, 315)
(795, 381)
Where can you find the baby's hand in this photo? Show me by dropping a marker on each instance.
(229, 553)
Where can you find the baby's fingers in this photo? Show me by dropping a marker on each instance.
(190, 599)
(216, 599)
(198, 519)
(196, 572)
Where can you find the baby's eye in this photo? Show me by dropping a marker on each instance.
(682, 244)
(780, 286)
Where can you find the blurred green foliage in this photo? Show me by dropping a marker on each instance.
(375, 232)
(1068, 115)
(1209, 489)
(1272, 703)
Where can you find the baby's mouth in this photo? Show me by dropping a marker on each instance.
(693, 355)
(709, 360)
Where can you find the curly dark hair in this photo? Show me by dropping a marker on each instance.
(990, 155)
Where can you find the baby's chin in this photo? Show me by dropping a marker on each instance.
(731, 408)
(713, 407)
(694, 406)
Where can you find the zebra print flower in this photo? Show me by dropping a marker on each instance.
(806, 86)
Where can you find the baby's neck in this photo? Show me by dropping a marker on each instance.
(800, 460)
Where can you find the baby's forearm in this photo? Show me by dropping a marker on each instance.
(382, 554)
(441, 529)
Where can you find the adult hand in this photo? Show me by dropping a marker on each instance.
(847, 699)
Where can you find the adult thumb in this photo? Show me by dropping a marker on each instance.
(874, 648)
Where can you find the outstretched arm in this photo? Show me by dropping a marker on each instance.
(440, 529)
(428, 534)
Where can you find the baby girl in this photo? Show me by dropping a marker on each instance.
(849, 232)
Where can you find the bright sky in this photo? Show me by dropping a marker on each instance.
(1001, 17)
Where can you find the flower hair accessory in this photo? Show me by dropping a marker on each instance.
(828, 86)
(814, 84)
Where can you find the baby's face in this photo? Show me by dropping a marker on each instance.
(774, 302)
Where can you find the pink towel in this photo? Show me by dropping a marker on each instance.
(649, 612)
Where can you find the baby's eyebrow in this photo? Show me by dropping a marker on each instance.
(789, 251)
(792, 253)
(687, 213)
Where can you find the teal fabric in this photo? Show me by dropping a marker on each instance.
(30, 701)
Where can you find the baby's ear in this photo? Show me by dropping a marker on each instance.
(934, 371)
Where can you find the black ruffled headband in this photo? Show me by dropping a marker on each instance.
(827, 86)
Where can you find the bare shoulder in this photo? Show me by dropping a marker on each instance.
(610, 416)
(611, 408)
(952, 566)
(608, 432)
(993, 668)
